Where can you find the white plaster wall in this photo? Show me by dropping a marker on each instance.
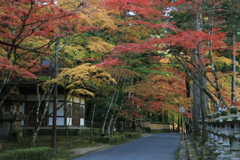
(82, 101)
(69, 98)
(69, 121)
(81, 121)
(76, 100)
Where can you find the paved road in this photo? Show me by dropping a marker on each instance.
(153, 147)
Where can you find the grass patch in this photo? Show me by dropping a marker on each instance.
(38, 153)
(65, 144)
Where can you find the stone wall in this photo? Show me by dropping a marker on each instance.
(224, 135)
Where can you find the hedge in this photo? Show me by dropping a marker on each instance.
(160, 131)
(112, 139)
(38, 153)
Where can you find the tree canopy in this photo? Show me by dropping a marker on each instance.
(143, 58)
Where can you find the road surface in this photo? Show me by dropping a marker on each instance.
(153, 147)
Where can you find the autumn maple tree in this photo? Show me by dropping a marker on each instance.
(195, 46)
(148, 58)
(28, 28)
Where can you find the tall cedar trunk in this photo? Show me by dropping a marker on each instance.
(217, 85)
(188, 86)
(196, 99)
(204, 108)
(203, 97)
(91, 128)
(36, 129)
(233, 96)
(196, 87)
(189, 94)
(195, 110)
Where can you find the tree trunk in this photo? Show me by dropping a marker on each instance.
(196, 87)
(106, 115)
(36, 129)
(233, 95)
(110, 123)
(204, 115)
(91, 129)
(9, 92)
(113, 100)
(196, 110)
(116, 117)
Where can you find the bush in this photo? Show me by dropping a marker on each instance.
(233, 109)
(132, 135)
(224, 112)
(160, 130)
(218, 114)
(112, 139)
(39, 153)
(210, 116)
(148, 130)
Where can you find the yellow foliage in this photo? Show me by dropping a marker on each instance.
(3, 53)
(82, 78)
(221, 62)
(77, 92)
(103, 20)
(96, 44)
(35, 42)
(70, 4)
(73, 52)
(92, 13)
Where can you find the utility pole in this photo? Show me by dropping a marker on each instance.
(54, 118)
(182, 110)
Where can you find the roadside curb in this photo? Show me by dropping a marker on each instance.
(183, 152)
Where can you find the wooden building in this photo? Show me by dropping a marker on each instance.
(21, 110)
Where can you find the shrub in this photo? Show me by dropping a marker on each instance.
(233, 109)
(210, 116)
(38, 153)
(215, 115)
(218, 114)
(112, 139)
(160, 130)
(132, 135)
(224, 112)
